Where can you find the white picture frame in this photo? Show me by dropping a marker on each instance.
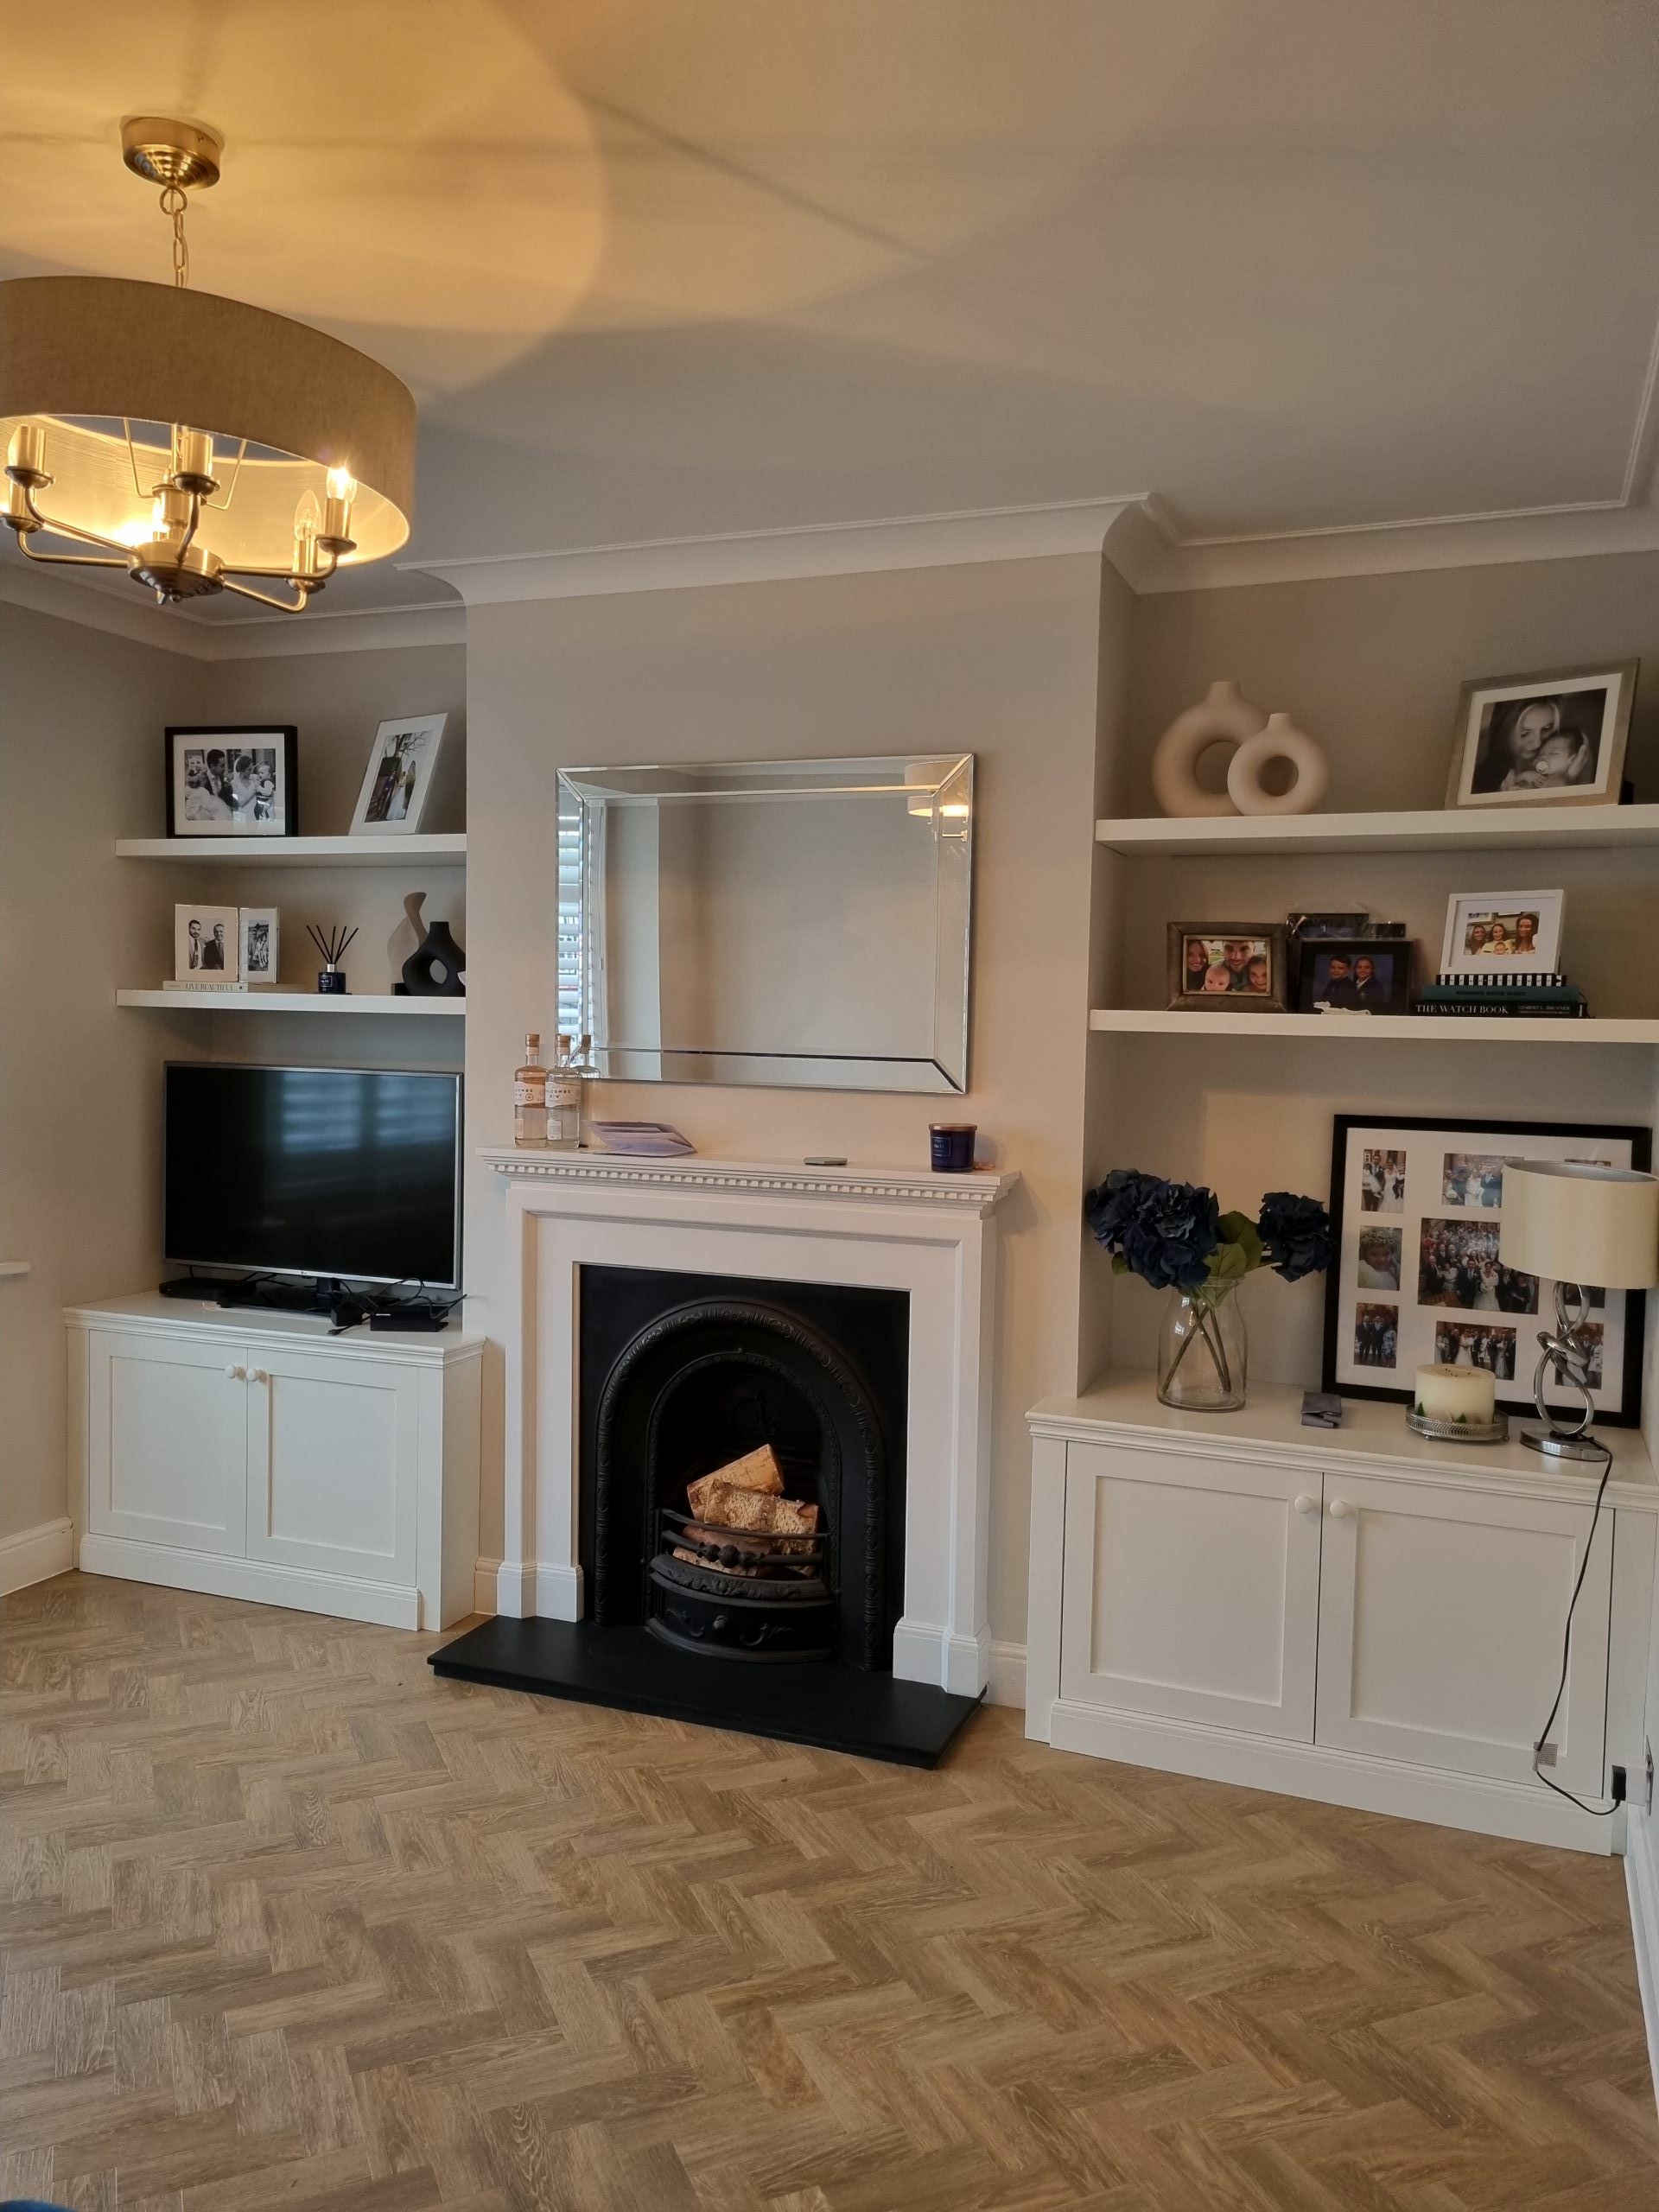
(1557, 738)
(259, 945)
(1502, 932)
(398, 782)
(206, 947)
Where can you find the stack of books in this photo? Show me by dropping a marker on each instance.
(1531, 993)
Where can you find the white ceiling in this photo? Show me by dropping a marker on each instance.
(665, 268)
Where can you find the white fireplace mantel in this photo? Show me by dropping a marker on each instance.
(930, 1236)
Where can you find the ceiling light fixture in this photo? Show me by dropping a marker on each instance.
(199, 443)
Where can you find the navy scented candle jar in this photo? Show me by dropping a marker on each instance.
(951, 1144)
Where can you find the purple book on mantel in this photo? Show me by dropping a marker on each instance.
(645, 1140)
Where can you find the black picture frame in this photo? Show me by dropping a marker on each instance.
(1616, 1408)
(1390, 957)
(179, 738)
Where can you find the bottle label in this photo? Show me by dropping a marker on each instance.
(563, 1092)
(529, 1094)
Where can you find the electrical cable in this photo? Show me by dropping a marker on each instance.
(1597, 1812)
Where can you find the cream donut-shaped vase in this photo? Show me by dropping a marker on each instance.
(1279, 741)
(1224, 715)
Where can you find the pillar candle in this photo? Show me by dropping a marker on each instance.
(1447, 1393)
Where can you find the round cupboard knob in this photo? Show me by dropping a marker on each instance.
(1341, 1510)
(258, 1374)
(1307, 1502)
(237, 1374)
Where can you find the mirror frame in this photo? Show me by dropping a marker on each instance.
(940, 786)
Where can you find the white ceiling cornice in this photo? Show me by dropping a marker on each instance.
(773, 555)
(1138, 535)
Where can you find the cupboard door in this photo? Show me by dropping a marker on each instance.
(1441, 1614)
(1191, 1588)
(332, 1464)
(167, 1441)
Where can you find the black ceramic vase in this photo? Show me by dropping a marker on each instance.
(434, 971)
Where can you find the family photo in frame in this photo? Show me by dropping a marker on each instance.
(1417, 1210)
(235, 782)
(1557, 738)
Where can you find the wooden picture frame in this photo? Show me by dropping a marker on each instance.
(232, 779)
(1424, 1192)
(1253, 956)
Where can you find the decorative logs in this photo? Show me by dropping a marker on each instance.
(1279, 741)
(1222, 716)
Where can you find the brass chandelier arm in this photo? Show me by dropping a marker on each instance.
(65, 559)
(268, 598)
(69, 530)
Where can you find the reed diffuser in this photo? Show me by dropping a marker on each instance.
(331, 980)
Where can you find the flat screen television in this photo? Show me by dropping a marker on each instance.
(346, 1173)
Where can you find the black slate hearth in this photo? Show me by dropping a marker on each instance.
(837, 1708)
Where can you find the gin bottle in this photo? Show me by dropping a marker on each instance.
(563, 1102)
(530, 1097)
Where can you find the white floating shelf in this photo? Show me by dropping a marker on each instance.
(13, 1268)
(1558, 828)
(289, 1002)
(1376, 1028)
(444, 846)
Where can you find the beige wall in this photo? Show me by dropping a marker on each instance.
(81, 715)
(998, 660)
(1371, 665)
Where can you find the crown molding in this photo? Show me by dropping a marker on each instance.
(254, 637)
(754, 557)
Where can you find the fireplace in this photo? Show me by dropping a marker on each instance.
(663, 1319)
(681, 1375)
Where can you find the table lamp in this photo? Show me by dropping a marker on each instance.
(1578, 1223)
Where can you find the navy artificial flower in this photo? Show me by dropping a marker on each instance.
(1162, 1231)
(1295, 1235)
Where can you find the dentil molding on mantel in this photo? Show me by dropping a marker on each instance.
(976, 1192)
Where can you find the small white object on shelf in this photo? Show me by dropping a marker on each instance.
(1222, 716)
(1445, 1392)
(1279, 741)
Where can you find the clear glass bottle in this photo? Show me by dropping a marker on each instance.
(530, 1097)
(588, 1072)
(563, 1102)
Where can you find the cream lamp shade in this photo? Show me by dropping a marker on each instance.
(1578, 1223)
(99, 360)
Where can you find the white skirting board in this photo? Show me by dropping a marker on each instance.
(217, 1574)
(35, 1555)
(1642, 1881)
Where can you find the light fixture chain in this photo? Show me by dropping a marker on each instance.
(175, 201)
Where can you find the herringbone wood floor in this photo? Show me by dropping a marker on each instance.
(288, 1922)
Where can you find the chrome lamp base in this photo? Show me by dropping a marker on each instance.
(1571, 1445)
(1565, 1355)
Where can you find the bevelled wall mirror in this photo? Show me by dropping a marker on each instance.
(781, 922)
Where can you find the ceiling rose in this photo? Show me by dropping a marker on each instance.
(198, 444)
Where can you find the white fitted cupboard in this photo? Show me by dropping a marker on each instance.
(257, 1456)
(1354, 1615)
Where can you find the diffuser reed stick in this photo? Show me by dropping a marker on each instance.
(331, 981)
